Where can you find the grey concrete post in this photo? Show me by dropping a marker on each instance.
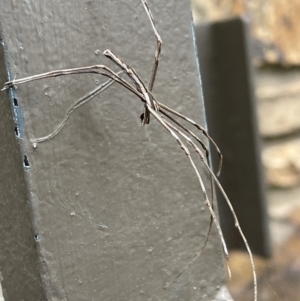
(116, 208)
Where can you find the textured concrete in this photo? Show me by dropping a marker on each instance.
(117, 209)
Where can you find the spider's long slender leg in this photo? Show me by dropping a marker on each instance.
(187, 130)
(187, 153)
(211, 178)
(140, 86)
(145, 116)
(152, 109)
(154, 72)
(170, 128)
(153, 103)
(199, 127)
(189, 141)
(211, 183)
(237, 225)
(158, 46)
(97, 69)
(83, 100)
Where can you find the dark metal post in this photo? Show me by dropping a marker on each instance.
(223, 49)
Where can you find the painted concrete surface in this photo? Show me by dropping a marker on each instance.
(117, 210)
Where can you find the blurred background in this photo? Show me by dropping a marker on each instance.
(274, 52)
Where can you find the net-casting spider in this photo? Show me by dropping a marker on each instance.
(166, 116)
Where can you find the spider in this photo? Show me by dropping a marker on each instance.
(167, 117)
